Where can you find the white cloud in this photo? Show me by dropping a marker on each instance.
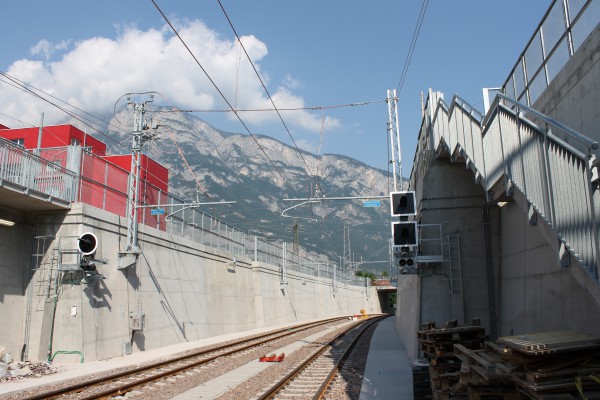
(47, 49)
(291, 83)
(93, 73)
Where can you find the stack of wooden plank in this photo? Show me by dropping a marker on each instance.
(559, 365)
(438, 344)
(421, 380)
(484, 374)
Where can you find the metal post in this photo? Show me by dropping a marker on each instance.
(567, 18)
(39, 138)
(105, 185)
(347, 251)
(139, 138)
(159, 202)
(392, 100)
(256, 248)
(334, 278)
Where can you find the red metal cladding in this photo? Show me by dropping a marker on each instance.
(54, 136)
(104, 179)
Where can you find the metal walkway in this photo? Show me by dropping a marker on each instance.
(32, 183)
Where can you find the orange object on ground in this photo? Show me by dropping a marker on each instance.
(272, 358)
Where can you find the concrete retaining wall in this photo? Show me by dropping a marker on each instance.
(408, 315)
(447, 195)
(15, 244)
(185, 290)
(573, 95)
(531, 293)
(535, 293)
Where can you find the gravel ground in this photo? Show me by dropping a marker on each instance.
(225, 366)
(349, 381)
(188, 381)
(347, 385)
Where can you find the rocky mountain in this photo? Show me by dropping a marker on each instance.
(233, 167)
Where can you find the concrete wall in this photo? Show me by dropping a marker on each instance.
(408, 316)
(529, 291)
(451, 197)
(15, 244)
(535, 293)
(185, 290)
(574, 94)
(448, 195)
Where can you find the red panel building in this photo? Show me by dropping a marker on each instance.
(103, 179)
(151, 171)
(53, 136)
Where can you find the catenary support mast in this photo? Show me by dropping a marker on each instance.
(392, 100)
(141, 134)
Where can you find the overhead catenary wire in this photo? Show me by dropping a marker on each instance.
(82, 118)
(27, 88)
(188, 165)
(412, 46)
(32, 90)
(307, 108)
(217, 89)
(264, 86)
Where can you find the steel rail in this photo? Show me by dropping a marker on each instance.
(282, 383)
(327, 383)
(128, 386)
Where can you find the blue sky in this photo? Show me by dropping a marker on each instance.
(309, 53)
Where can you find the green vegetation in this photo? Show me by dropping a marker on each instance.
(368, 274)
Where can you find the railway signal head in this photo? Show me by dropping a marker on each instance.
(404, 233)
(403, 204)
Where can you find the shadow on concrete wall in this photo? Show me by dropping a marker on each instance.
(98, 294)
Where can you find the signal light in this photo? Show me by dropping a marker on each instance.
(87, 243)
(404, 233)
(403, 204)
(406, 262)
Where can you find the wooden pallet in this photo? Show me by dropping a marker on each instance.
(544, 343)
(541, 366)
(499, 392)
(488, 365)
(595, 395)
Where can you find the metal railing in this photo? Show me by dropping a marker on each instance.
(200, 227)
(563, 29)
(25, 172)
(549, 163)
(95, 181)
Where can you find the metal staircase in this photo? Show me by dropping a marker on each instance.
(517, 150)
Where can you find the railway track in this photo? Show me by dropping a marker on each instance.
(141, 381)
(315, 378)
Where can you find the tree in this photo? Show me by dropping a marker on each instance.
(367, 274)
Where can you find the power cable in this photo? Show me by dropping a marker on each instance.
(264, 87)
(217, 89)
(310, 108)
(27, 88)
(413, 44)
(188, 165)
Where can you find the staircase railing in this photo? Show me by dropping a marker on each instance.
(25, 172)
(551, 164)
